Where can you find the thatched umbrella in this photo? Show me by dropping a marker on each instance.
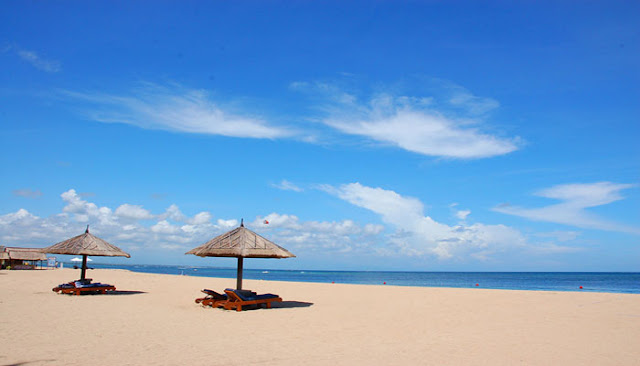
(85, 244)
(240, 243)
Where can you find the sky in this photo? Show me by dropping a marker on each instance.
(378, 135)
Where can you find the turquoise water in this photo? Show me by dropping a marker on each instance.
(615, 282)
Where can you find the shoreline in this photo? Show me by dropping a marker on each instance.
(325, 270)
(590, 281)
(231, 280)
(154, 320)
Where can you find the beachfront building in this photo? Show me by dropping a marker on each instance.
(4, 258)
(21, 258)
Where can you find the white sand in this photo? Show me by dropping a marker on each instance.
(318, 324)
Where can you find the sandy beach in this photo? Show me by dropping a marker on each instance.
(153, 319)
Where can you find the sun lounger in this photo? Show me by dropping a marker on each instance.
(83, 286)
(212, 299)
(239, 298)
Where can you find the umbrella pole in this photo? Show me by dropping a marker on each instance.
(239, 277)
(84, 267)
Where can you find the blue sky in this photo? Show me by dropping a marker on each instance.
(370, 135)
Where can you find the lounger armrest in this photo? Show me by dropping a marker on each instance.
(214, 294)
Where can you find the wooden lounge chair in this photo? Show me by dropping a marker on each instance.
(212, 299)
(83, 287)
(239, 298)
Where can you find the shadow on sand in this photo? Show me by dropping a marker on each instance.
(117, 292)
(26, 362)
(291, 304)
(276, 305)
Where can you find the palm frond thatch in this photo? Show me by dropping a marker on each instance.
(241, 243)
(26, 254)
(86, 244)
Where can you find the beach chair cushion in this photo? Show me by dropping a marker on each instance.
(256, 296)
(264, 297)
(245, 295)
(79, 284)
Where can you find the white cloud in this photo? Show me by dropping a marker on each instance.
(134, 212)
(285, 185)
(20, 217)
(22, 226)
(422, 132)
(85, 211)
(586, 195)
(164, 227)
(173, 213)
(338, 236)
(175, 108)
(462, 214)
(200, 218)
(132, 227)
(407, 230)
(228, 224)
(277, 220)
(127, 226)
(415, 123)
(418, 234)
(38, 62)
(576, 198)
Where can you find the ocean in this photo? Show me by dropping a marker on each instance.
(613, 282)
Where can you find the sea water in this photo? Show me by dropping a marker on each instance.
(615, 282)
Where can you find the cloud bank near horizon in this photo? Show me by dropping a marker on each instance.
(132, 227)
(407, 230)
(420, 235)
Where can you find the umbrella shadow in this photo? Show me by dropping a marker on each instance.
(27, 362)
(291, 304)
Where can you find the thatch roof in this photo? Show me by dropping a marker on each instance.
(4, 255)
(25, 254)
(86, 244)
(241, 243)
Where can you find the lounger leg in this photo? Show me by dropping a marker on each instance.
(239, 308)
